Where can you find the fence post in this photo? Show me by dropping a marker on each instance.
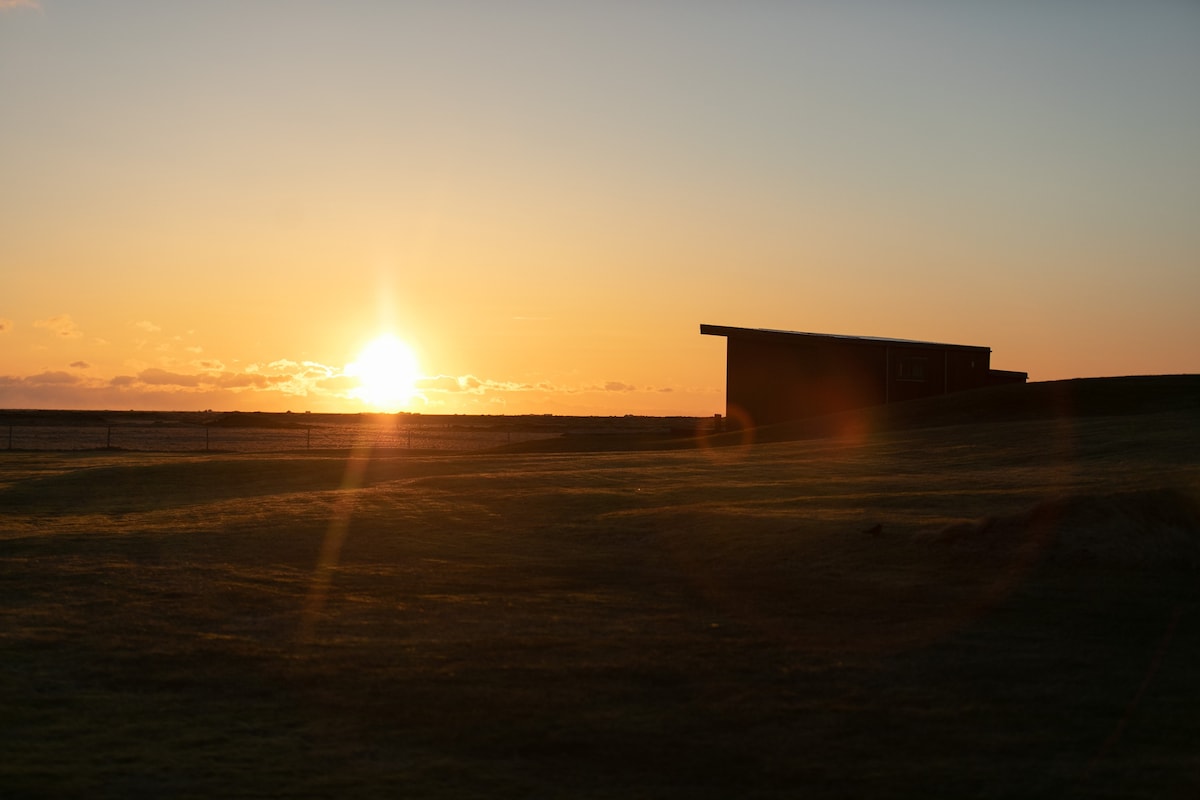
(108, 438)
(207, 430)
(308, 441)
(10, 437)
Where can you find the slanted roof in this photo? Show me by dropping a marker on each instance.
(799, 337)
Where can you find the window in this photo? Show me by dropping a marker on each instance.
(911, 369)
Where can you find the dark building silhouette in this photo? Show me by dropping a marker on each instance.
(775, 376)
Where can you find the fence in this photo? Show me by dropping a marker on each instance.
(192, 438)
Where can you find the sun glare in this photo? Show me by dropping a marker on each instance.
(387, 373)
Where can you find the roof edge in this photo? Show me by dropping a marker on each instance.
(795, 337)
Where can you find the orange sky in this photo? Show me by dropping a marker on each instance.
(219, 205)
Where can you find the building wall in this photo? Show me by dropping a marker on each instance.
(774, 381)
(916, 372)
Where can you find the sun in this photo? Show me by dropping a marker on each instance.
(387, 373)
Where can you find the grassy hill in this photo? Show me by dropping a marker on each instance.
(988, 594)
(1067, 399)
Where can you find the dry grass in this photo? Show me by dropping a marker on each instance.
(698, 623)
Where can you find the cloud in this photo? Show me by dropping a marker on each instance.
(469, 384)
(57, 377)
(161, 377)
(223, 380)
(61, 326)
(9, 4)
(166, 383)
(279, 385)
(315, 371)
(312, 380)
(6, 325)
(147, 326)
(440, 383)
(233, 380)
(339, 384)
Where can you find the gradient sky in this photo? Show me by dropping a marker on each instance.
(219, 204)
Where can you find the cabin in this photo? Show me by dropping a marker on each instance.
(775, 376)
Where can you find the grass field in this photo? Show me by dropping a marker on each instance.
(992, 603)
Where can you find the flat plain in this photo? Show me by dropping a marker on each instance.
(990, 596)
